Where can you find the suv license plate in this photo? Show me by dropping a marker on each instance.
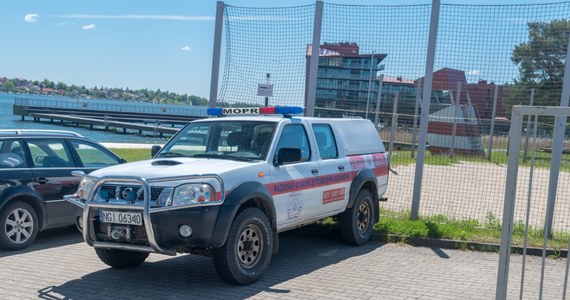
(116, 217)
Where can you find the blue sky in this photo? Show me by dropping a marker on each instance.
(163, 45)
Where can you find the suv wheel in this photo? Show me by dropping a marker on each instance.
(18, 226)
(121, 259)
(356, 223)
(247, 252)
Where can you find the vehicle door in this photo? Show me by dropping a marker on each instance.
(293, 183)
(52, 166)
(14, 166)
(334, 173)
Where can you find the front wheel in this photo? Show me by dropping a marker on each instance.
(121, 259)
(247, 251)
(18, 226)
(356, 223)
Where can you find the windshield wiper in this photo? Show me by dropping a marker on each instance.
(239, 158)
(224, 156)
(208, 155)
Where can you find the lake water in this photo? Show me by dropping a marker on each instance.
(11, 121)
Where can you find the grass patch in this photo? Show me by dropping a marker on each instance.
(442, 227)
(132, 155)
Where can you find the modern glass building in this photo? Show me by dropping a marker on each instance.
(347, 81)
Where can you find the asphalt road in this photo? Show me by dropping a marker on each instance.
(310, 265)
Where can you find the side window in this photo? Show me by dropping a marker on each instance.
(295, 136)
(12, 155)
(325, 141)
(92, 155)
(49, 154)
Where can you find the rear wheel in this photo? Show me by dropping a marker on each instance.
(247, 252)
(121, 259)
(18, 226)
(356, 223)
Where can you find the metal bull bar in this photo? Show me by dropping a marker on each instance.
(88, 231)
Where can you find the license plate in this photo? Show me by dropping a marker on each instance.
(117, 217)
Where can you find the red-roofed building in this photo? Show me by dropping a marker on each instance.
(48, 91)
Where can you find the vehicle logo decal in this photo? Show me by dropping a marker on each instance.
(294, 205)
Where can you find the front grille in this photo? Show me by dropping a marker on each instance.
(113, 192)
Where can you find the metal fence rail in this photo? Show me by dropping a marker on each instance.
(513, 198)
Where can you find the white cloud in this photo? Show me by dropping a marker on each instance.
(186, 48)
(31, 18)
(473, 72)
(89, 27)
(141, 17)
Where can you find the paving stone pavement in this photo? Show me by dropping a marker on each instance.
(310, 265)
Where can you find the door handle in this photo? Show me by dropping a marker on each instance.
(42, 180)
(341, 168)
(314, 171)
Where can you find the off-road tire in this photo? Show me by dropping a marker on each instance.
(247, 252)
(356, 223)
(19, 226)
(121, 259)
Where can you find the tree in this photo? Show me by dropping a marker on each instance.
(61, 86)
(9, 86)
(48, 84)
(541, 64)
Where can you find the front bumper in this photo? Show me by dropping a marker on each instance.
(159, 231)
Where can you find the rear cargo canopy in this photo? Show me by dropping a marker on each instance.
(359, 136)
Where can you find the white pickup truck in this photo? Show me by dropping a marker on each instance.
(227, 186)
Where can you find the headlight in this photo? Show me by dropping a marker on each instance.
(192, 193)
(85, 187)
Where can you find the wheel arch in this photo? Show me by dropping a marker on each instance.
(366, 179)
(244, 195)
(29, 197)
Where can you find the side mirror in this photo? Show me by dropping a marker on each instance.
(288, 155)
(122, 161)
(154, 150)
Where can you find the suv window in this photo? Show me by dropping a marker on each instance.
(325, 141)
(295, 136)
(93, 156)
(12, 155)
(49, 153)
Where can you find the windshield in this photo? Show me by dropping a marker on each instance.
(237, 140)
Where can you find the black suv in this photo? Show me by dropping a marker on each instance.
(35, 173)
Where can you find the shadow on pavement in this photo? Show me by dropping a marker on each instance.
(48, 239)
(190, 276)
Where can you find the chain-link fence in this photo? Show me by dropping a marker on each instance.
(372, 62)
(265, 46)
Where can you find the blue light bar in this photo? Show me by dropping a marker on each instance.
(214, 111)
(288, 110)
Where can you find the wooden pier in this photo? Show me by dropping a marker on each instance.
(106, 123)
(116, 119)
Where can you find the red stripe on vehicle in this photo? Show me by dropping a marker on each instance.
(290, 186)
